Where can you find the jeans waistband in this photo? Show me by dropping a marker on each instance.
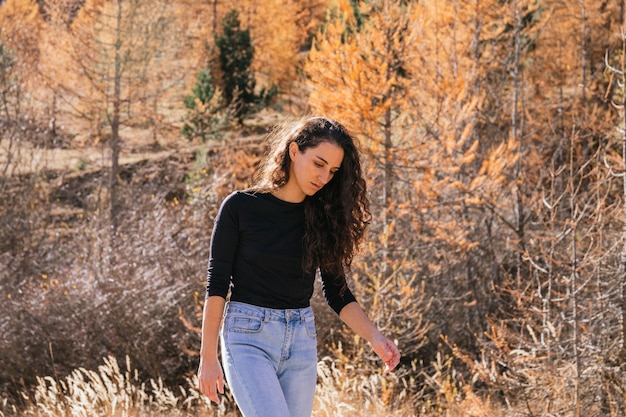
(267, 314)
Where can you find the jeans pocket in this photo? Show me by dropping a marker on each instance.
(309, 324)
(244, 324)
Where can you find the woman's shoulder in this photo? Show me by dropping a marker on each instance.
(251, 200)
(242, 197)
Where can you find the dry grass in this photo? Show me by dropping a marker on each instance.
(111, 391)
(341, 392)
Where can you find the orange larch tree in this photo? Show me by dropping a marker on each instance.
(360, 77)
(400, 78)
(562, 212)
(109, 69)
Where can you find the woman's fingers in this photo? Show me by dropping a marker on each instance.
(393, 356)
(220, 383)
(211, 382)
(210, 390)
(388, 353)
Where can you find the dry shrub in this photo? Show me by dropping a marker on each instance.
(92, 295)
(27, 248)
(397, 304)
(73, 293)
(534, 381)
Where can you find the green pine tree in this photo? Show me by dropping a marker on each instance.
(203, 119)
(235, 55)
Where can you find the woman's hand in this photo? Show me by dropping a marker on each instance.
(353, 315)
(210, 375)
(387, 351)
(211, 379)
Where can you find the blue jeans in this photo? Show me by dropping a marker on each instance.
(270, 359)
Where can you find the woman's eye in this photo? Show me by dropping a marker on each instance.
(317, 164)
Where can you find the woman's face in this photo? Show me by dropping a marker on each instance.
(315, 167)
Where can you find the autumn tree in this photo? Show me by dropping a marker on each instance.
(310, 14)
(361, 80)
(10, 115)
(279, 30)
(406, 86)
(112, 58)
(25, 197)
(23, 192)
(558, 284)
(20, 31)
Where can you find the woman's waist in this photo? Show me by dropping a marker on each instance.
(269, 313)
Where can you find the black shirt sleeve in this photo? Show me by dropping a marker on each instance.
(224, 241)
(336, 292)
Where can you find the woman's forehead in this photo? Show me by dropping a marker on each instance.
(329, 152)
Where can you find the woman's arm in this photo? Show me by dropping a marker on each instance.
(224, 242)
(210, 375)
(354, 316)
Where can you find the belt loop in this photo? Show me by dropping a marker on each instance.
(267, 315)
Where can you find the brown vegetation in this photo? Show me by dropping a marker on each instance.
(493, 135)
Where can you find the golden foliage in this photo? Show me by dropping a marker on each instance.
(356, 77)
(20, 29)
(276, 39)
(114, 51)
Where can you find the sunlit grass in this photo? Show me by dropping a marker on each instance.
(115, 392)
(108, 391)
(341, 392)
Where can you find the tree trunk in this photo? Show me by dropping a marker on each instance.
(573, 278)
(517, 134)
(214, 19)
(583, 52)
(622, 269)
(115, 125)
(388, 153)
(387, 194)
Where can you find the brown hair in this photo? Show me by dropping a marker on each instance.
(337, 215)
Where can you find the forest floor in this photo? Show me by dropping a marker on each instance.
(138, 145)
(79, 167)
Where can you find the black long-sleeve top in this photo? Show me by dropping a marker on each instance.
(256, 246)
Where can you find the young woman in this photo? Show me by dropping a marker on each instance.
(308, 212)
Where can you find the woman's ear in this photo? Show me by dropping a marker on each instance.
(293, 150)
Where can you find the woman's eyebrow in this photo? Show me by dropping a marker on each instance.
(322, 159)
(325, 161)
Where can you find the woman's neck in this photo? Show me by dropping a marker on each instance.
(290, 193)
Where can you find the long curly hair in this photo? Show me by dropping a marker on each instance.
(337, 215)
